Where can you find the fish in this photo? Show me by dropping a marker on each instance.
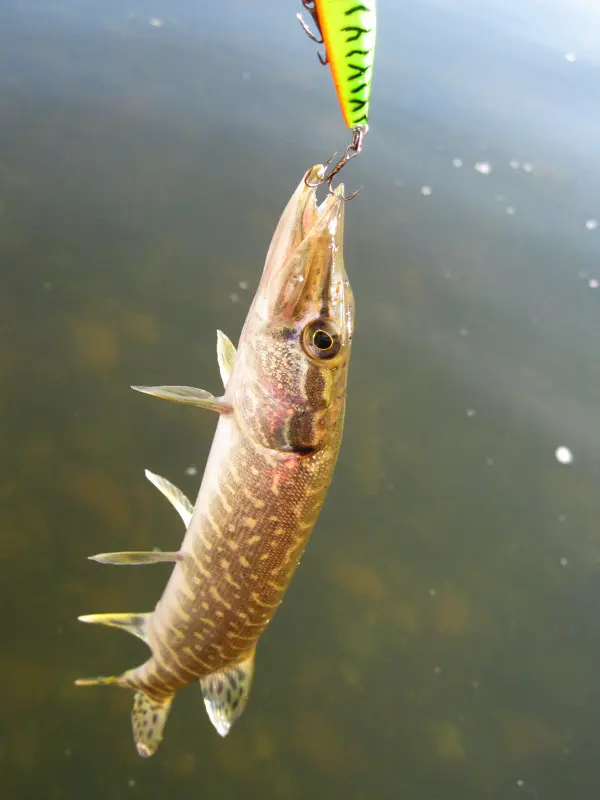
(347, 29)
(279, 430)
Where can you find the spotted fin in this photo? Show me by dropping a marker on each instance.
(174, 495)
(132, 623)
(225, 356)
(148, 718)
(188, 395)
(131, 557)
(226, 694)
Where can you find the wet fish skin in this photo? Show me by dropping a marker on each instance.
(270, 466)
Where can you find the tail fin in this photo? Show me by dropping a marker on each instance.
(226, 693)
(148, 719)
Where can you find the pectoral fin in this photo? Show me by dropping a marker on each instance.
(136, 557)
(187, 395)
(148, 719)
(226, 694)
(132, 623)
(174, 495)
(225, 356)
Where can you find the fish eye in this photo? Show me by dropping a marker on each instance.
(321, 339)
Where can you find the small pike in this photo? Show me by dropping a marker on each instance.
(269, 469)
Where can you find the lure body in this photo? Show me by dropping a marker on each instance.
(348, 29)
(270, 465)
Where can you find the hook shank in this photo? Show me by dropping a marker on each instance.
(358, 134)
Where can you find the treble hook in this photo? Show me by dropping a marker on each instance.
(310, 6)
(353, 149)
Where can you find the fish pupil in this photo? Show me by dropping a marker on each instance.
(322, 340)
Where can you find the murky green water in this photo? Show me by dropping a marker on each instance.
(442, 638)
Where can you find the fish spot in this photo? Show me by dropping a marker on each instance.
(256, 501)
(250, 522)
(215, 593)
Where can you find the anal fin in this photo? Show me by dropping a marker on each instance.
(148, 719)
(132, 623)
(131, 557)
(226, 693)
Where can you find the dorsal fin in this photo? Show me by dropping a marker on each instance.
(132, 623)
(226, 693)
(174, 495)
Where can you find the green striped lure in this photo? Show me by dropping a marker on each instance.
(347, 30)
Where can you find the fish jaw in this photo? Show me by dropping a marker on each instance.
(304, 271)
(287, 393)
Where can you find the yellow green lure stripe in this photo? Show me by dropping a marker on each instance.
(348, 30)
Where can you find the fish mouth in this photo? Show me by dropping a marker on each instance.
(304, 273)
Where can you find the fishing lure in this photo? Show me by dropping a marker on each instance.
(347, 30)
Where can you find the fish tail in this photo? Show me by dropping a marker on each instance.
(148, 719)
(148, 716)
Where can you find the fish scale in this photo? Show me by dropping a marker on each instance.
(268, 471)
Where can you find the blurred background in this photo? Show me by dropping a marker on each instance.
(441, 640)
